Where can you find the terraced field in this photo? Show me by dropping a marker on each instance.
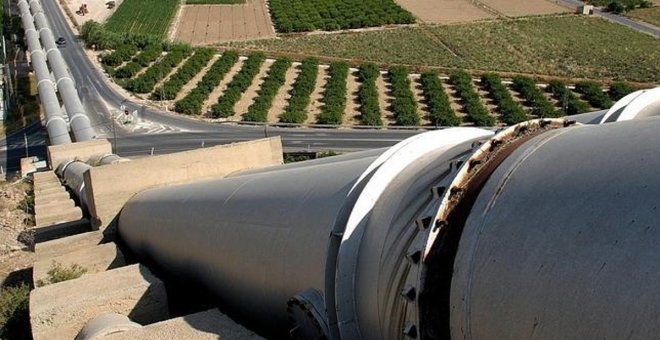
(250, 88)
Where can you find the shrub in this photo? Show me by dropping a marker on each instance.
(593, 93)
(404, 105)
(192, 103)
(14, 316)
(149, 55)
(619, 90)
(127, 71)
(534, 97)
(123, 53)
(512, 113)
(439, 107)
(295, 112)
(183, 75)
(616, 7)
(334, 95)
(476, 112)
(58, 273)
(368, 95)
(571, 104)
(241, 81)
(258, 111)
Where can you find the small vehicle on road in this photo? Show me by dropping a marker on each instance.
(60, 41)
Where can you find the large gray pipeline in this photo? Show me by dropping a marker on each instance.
(56, 125)
(80, 123)
(560, 240)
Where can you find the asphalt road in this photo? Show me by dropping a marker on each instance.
(619, 19)
(95, 93)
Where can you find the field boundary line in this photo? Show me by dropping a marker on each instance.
(174, 24)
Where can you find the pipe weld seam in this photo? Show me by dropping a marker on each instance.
(54, 118)
(76, 116)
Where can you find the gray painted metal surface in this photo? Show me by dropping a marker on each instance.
(80, 123)
(563, 242)
(55, 123)
(72, 172)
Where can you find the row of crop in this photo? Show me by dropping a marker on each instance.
(476, 112)
(121, 54)
(241, 81)
(534, 97)
(437, 101)
(193, 102)
(146, 81)
(334, 95)
(331, 15)
(183, 75)
(512, 112)
(296, 110)
(140, 61)
(593, 93)
(571, 104)
(368, 95)
(258, 110)
(404, 105)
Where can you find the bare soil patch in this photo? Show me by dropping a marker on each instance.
(528, 7)
(210, 24)
(445, 11)
(220, 89)
(97, 10)
(283, 94)
(352, 112)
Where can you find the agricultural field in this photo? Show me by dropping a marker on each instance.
(528, 7)
(649, 15)
(445, 11)
(332, 15)
(209, 24)
(151, 17)
(566, 46)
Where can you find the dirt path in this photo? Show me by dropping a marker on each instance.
(422, 108)
(316, 97)
(384, 100)
(215, 94)
(352, 112)
(283, 95)
(193, 82)
(248, 97)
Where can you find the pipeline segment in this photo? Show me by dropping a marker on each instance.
(546, 229)
(56, 125)
(80, 123)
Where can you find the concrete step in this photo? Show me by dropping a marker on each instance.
(55, 248)
(46, 208)
(38, 186)
(59, 230)
(91, 259)
(211, 324)
(44, 175)
(57, 217)
(49, 190)
(41, 198)
(60, 310)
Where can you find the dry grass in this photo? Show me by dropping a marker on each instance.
(649, 15)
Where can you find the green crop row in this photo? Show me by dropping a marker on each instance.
(127, 71)
(437, 101)
(512, 112)
(151, 17)
(331, 15)
(149, 55)
(192, 103)
(146, 81)
(258, 111)
(183, 75)
(368, 95)
(534, 97)
(476, 112)
(295, 112)
(619, 90)
(121, 54)
(241, 81)
(334, 95)
(594, 94)
(571, 104)
(404, 105)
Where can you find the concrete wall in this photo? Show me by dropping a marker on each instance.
(80, 150)
(110, 186)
